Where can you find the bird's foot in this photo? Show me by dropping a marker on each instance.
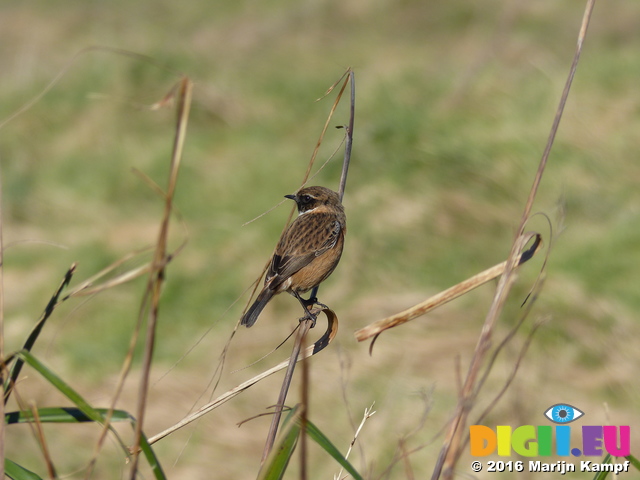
(309, 316)
(312, 313)
(311, 308)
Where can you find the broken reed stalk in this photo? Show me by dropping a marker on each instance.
(306, 324)
(451, 449)
(376, 328)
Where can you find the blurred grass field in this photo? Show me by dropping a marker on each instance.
(454, 104)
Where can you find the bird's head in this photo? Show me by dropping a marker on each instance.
(310, 198)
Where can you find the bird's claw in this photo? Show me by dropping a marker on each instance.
(309, 316)
(312, 313)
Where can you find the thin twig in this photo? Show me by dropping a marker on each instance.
(508, 337)
(348, 146)
(72, 62)
(514, 370)
(368, 413)
(156, 277)
(408, 471)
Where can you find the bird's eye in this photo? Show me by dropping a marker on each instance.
(306, 199)
(563, 413)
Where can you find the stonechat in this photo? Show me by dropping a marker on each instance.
(308, 250)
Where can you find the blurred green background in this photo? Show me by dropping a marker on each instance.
(454, 104)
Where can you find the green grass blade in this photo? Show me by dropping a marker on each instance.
(603, 475)
(63, 415)
(278, 460)
(16, 472)
(33, 336)
(150, 455)
(62, 386)
(634, 462)
(278, 466)
(315, 433)
(85, 412)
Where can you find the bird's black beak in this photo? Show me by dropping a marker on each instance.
(292, 197)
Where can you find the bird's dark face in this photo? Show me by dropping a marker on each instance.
(310, 198)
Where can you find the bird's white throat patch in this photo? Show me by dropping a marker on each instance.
(307, 211)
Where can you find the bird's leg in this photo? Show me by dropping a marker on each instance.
(306, 304)
(313, 299)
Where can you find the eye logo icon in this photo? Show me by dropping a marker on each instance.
(563, 413)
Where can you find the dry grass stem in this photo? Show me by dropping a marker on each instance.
(453, 442)
(156, 276)
(303, 329)
(63, 71)
(510, 336)
(319, 345)
(376, 328)
(349, 144)
(304, 404)
(42, 442)
(368, 413)
(88, 287)
(513, 373)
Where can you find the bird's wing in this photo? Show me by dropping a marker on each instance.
(308, 237)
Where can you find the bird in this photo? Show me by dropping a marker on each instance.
(308, 251)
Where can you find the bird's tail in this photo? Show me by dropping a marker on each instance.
(250, 317)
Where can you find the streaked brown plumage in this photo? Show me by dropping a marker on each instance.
(308, 250)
